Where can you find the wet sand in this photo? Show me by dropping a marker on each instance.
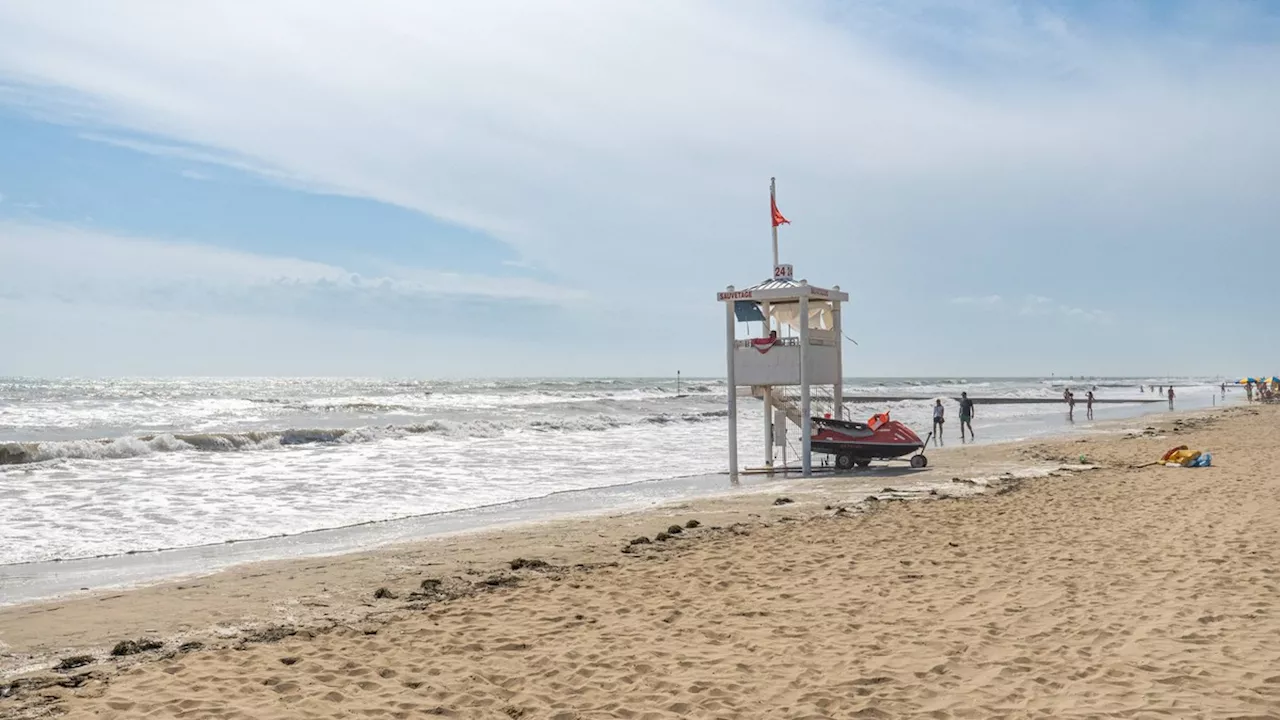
(1121, 591)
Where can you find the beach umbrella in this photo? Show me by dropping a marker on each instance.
(1246, 381)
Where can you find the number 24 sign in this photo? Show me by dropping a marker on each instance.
(782, 272)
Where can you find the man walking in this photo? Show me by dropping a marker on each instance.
(966, 415)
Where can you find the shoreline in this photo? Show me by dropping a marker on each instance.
(309, 605)
(36, 580)
(977, 465)
(27, 643)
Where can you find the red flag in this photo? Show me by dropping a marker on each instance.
(777, 216)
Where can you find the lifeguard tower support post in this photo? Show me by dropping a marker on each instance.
(811, 356)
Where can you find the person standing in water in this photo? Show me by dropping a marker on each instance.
(966, 415)
(939, 417)
(1170, 397)
(1088, 405)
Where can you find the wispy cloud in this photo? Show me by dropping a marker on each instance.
(180, 152)
(1032, 306)
(1039, 305)
(93, 266)
(1036, 305)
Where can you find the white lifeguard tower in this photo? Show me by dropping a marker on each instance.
(798, 346)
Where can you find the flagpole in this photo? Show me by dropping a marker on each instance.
(767, 395)
(773, 203)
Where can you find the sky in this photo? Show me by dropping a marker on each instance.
(498, 187)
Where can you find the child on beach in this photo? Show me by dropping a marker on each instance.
(939, 417)
(1088, 400)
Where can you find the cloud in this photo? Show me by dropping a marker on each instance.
(558, 129)
(1033, 305)
(625, 147)
(1094, 316)
(985, 301)
(89, 266)
(1036, 305)
(1039, 305)
(194, 175)
(192, 154)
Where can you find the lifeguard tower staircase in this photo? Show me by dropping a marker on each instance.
(797, 349)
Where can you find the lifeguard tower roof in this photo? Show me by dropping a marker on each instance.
(782, 289)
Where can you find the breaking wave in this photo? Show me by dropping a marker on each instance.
(22, 453)
(354, 407)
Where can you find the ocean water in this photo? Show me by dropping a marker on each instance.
(104, 467)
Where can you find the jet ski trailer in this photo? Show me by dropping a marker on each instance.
(856, 444)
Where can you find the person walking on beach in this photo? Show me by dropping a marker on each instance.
(1071, 405)
(1088, 405)
(939, 417)
(1170, 397)
(966, 415)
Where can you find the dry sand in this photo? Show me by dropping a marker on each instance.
(1119, 592)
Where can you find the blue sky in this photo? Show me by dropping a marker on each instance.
(559, 188)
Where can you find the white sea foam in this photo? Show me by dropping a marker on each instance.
(103, 467)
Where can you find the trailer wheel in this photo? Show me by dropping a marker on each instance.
(919, 461)
(844, 461)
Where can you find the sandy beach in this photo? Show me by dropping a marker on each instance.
(1104, 589)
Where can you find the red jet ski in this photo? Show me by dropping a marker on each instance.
(855, 443)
